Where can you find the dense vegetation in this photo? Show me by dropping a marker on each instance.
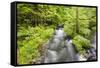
(36, 24)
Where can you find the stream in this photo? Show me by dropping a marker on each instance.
(59, 49)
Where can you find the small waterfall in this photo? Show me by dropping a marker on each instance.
(51, 56)
(91, 53)
(54, 46)
(94, 41)
(72, 54)
(60, 50)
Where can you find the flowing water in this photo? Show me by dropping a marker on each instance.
(94, 41)
(59, 49)
(72, 55)
(54, 47)
(92, 51)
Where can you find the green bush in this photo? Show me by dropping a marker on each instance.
(81, 43)
(32, 37)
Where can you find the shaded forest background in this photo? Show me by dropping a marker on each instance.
(36, 24)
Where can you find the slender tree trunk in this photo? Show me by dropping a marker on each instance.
(77, 20)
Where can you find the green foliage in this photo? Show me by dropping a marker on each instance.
(36, 25)
(69, 29)
(81, 43)
(29, 40)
